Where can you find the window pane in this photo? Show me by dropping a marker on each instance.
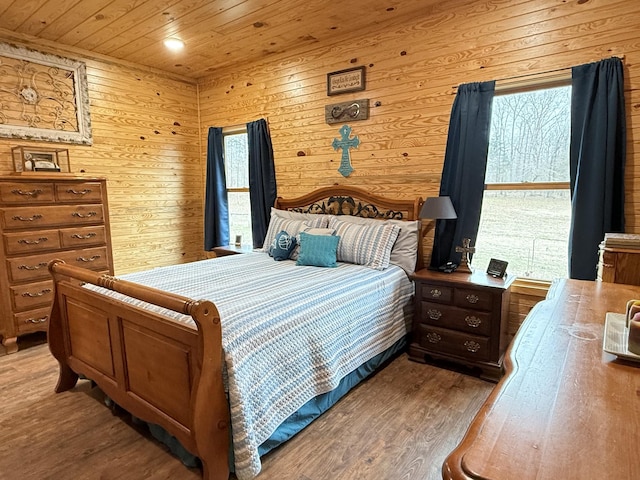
(240, 217)
(529, 139)
(236, 160)
(529, 229)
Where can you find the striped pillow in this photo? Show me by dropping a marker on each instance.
(292, 227)
(368, 245)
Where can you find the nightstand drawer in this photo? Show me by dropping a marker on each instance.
(440, 340)
(436, 293)
(473, 298)
(464, 320)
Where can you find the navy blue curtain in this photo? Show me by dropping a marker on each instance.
(262, 178)
(216, 206)
(464, 169)
(597, 158)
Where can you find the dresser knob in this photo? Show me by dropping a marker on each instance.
(471, 298)
(33, 267)
(472, 321)
(37, 320)
(79, 192)
(433, 337)
(27, 219)
(30, 193)
(92, 258)
(434, 314)
(83, 237)
(35, 295)
(33, 242)
(435, 293)
(472, 346)
(80, 215)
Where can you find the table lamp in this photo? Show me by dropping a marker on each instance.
(438, 208)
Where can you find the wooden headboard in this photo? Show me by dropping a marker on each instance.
(354, 201)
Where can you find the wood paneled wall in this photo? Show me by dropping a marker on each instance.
(411, 70)
(146, 143)
(150, 142)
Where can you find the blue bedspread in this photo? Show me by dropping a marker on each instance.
(290, 332)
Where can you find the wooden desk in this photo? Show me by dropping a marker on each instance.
(565, 408)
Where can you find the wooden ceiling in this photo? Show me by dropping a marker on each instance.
(216, 33)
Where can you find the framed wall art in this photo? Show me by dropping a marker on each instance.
(43, 97)
(343, 81)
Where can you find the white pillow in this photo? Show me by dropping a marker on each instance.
(368, 245)
(299, 216)
(405, 251)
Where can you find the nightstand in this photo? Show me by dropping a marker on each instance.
(461, 317)
(231, 250)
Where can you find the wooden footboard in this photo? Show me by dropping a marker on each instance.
(159, 370)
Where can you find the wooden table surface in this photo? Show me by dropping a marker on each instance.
(565, 408)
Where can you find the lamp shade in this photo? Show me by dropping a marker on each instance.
(438, 208)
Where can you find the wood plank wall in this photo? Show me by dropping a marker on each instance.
(156, 179)
(146, 143)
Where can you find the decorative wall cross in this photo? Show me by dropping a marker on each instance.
(345, 143)
(465, 249)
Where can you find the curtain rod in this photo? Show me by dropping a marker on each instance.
(544, 78)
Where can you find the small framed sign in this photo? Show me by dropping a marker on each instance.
(343, 81)
(497, 268)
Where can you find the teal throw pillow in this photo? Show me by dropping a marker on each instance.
(318, 250)
(282, 246)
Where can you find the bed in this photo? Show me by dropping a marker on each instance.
(161, 355)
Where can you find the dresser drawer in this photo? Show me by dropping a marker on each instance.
(85, 192)
(34, 267)
(440, 340)
(31, 242)
(26, 192)
(79, 237)
(473, 298)
(33, 320)
(464, 320)
(32, 295)
(436, 293)
(44, 216)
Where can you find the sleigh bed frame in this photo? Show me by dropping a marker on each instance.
(159, 370)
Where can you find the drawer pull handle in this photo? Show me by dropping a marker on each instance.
(79, 192)
(33, 242)
(33, 267)
(434, 314)
(36, 295)
(37, 216)
(471, 298)
(435, 293)
(81, 215)
(30, 193)
(83, 237)
(433, 337)
(472, 346)
(92, 258)
(37, 320)
(472, 321)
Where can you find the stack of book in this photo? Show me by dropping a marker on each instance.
(622, 240)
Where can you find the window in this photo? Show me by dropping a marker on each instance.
(526, 209)
(236, 167)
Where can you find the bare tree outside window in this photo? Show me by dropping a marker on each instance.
(236, 165)
(526, 209)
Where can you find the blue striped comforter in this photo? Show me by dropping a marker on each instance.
(289, 332)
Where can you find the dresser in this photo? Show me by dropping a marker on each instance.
(619, 265)
(43, 217)
(565, 409)
(461, 318)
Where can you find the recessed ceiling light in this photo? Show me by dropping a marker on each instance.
(174, 44)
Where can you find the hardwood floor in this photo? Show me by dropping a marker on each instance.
(399, 424)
